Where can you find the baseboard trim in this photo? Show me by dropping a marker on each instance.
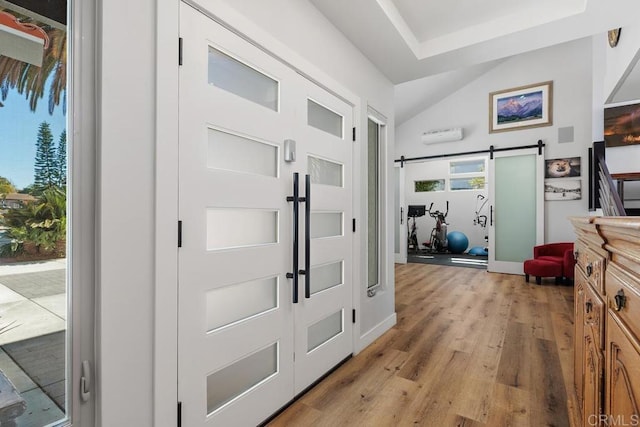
(374, 333)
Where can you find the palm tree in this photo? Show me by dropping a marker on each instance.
(30, 80)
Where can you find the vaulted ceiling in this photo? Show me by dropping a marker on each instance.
(429, 48)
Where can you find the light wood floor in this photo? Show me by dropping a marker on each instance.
(470, 348)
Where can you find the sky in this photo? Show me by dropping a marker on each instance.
(19, 133)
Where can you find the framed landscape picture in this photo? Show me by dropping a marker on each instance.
(521, 107)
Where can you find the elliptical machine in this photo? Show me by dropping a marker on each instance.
(438, 239)
(481, 220)
(414, 212)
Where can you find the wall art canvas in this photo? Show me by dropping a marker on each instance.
(563, 189)
(562, 168)
(622, 125)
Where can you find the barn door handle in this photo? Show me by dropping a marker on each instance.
(491, 215)
(296, 216)
(401, 214)
(307, 236)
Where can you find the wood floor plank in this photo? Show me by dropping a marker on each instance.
(515, 359)
(387, 407)
(474, 401)
(470, 348)
(548, 388)
(510, 407)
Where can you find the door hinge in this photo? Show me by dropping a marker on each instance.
(354, 225)
(179, 50)
(179, 414)
(353, 316)
(354, 134)
(179, 234)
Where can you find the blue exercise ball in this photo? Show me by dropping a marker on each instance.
(478, 250)
(457, 242)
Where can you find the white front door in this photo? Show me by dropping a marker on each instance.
(323, 313)
(516, 218)
(239, 327)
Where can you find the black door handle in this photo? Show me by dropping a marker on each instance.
(491, 214)
(307, 237)
(296, 216)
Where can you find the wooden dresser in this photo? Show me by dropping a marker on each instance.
(607, 322)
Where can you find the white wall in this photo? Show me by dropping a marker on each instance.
(137, 127)
(462, 204)
(569, 67)
(126, 139)
(610, 71)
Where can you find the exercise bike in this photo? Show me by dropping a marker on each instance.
(438, 239)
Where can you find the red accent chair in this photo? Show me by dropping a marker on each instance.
(551, 260)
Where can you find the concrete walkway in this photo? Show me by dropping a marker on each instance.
(33, 299)
(33, 315)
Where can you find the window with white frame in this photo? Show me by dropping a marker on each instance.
(47, 226)
(468, 174)
(429, 185)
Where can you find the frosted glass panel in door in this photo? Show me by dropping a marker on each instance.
(235, 228)
(231, 382)
(324, 330)
(396, 214)
(373, 220)
(326, 276)
(226, 151)
(326, 224)
(324, 119)
(515, 207)
(231, 75)
(240, 301)
(325, 172)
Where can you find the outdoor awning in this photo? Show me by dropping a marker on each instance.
(24, 42)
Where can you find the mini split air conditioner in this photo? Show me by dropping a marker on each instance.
(442, 135)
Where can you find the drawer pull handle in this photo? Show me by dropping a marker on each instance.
(620, 300)
(589, 306)
(589, 269)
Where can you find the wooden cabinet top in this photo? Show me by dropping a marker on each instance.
(586, 230)
(622, 239)
(620, 236)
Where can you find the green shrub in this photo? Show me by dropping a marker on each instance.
(37, 227)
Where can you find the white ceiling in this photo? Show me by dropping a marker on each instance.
(430, 48)
(432, 19)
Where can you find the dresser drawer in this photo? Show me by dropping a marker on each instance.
(623, 296)
(592, 265)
